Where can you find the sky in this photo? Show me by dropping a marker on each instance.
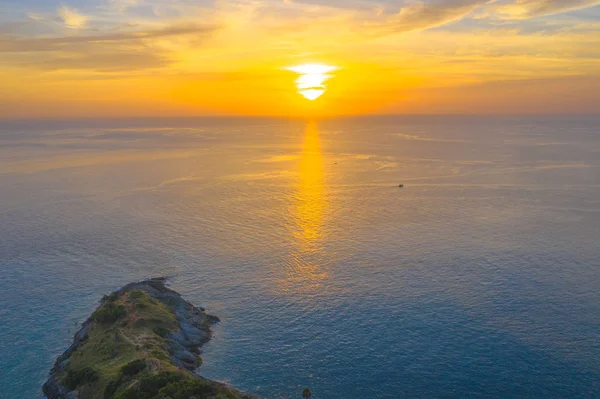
(112, 58)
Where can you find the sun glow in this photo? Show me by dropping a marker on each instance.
(311, 82)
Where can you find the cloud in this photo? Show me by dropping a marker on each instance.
(35, 17)
(9, 44)
(120, 51)
(368, 21)
(421, 15)
(417, 15)
(523, 9)
(72, 18)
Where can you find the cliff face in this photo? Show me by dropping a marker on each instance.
(143, 342)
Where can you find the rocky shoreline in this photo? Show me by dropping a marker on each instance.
(144, 326)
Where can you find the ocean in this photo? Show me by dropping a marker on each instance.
(480, 278)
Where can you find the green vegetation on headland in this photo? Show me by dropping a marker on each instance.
(142, 342)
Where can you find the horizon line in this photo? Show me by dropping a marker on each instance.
(298, 117)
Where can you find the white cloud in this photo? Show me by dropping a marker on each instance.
(34, 16)
(523, 9)
(72, 18)
(421, 15)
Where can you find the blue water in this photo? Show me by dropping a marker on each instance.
(480, 278)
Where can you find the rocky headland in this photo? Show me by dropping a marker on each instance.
(143, 342)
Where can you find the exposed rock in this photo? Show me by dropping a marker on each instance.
(145, 321)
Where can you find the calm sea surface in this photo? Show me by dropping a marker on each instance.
(480, 278)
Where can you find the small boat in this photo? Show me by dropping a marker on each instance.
(401, 186)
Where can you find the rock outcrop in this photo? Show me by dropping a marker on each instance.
(142, 342)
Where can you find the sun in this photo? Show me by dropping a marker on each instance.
(311, 82)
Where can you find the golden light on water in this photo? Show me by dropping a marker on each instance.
(311, 82)
(311, 189)
(306, 274)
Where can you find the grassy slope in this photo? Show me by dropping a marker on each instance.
(126, 355)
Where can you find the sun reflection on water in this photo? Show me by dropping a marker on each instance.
(311, 189)
(306, 272)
